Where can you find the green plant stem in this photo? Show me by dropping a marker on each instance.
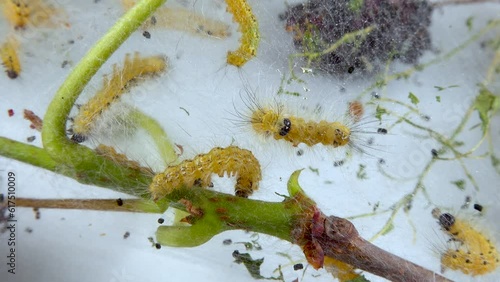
(25, 153)
(272, 218)
(165, 148)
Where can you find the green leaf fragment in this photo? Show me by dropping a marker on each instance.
(496, 163)
(414, 100)
(252, 265)
(356, 5)
(440, 88)
(315, 170)
(460, 184)
(438, 99)
(361, 174)
(485, 103)
(468, 22)
(379, 112)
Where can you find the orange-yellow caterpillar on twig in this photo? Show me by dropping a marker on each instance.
(232, 161)
(183, 20)
(10, 59)
(469, 250)
(134, 68)
(250, 36)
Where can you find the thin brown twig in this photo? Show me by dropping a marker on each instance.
(120, 205)
(341, 240)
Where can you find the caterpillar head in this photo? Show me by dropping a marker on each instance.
(266, 121)
(342, 134)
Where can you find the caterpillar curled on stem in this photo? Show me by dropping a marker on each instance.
(250, 36)
(122, 79)
(469, 250)
(198, 171)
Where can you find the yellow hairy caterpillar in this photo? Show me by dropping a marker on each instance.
(20, 13)
(340, 270)
(111, 154)
(183, 20)
(469, 250)
(249, 27)
(296, 130)
(232, 161)
(10, 59)
(17, 12)
(279, 121)
(134, 68)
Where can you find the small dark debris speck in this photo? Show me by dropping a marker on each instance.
(158, 246)
(434, 153)
(300, 152)
(382, 131)
(478, 207)
(29, 229)
(161, 220)
(10, 112)
(146, 34)
(298, 266)
(227, 242)
(126, 235)
(338, 163)
(119, 202)
(37, 213)
(64, 64)
(31, 139)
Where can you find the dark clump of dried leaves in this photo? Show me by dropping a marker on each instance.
(400, 32)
